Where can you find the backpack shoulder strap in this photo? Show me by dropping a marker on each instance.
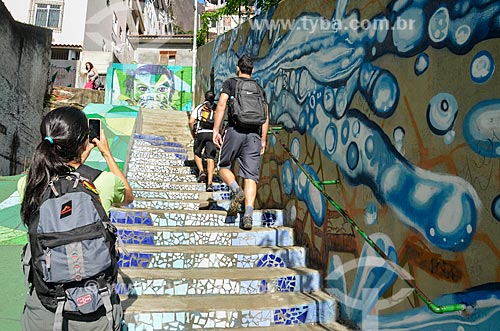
(198, 110)
(88, 172)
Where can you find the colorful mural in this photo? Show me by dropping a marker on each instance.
(149, 86)
(398, 100)
(63, 72)
(118, 123)
(11, 230)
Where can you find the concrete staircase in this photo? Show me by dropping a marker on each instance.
(189, 266)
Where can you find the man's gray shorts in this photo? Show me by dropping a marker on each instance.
(244, 146)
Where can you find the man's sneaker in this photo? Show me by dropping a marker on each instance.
(210, 188)
(236, 201)
(202, 177)
(246, 223)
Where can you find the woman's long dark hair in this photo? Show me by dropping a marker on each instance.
(90, 66)
(67, 131)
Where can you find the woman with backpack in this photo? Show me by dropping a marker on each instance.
(54, 193)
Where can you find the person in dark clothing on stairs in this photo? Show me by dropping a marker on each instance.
(201, 124)
(244, 139)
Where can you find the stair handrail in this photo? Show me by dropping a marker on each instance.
(403, 274)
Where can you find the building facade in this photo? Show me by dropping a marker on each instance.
(93, 31)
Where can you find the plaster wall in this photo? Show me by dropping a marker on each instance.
(25, 62)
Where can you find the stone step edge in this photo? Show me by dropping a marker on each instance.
(215, 273)
(159, 181)
(211, 249)
(197, 229)
(332, 326)
(265, 301)
(202, 211)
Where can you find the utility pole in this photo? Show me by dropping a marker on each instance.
(219, 22)
(195, 28)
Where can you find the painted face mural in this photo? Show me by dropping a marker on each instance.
(154, 87)
(150, 86)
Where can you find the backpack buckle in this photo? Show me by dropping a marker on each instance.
(60, 293)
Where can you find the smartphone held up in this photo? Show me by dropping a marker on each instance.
(94, 129)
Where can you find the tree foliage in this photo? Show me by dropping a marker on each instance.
(231, 7)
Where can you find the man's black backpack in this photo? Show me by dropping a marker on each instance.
(248, 108)
(73, 265)
(207, 114)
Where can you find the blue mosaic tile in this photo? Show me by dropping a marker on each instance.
(136, 237)
(166, 143)
(268, 218)
(148, 137)
(134, 260)
(173, 150)
(270, 260)
(287, 284)
(130, 217)
(289, 316)
(118, 216)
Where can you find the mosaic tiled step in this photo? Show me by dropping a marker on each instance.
(170, 195)
(156, 152)
(227, 311)
(197, 256)
(165, 177)
(156, 157)
(169, 178)
(154, 141)
(175, 160)
(181, 195)
(161, 169)
(171, 204)
(181, 140)
(180, 218)
(299, 327)
(217, 281)
(172, 186)
(222, 236)
(160, 144)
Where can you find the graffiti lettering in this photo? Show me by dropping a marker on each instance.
(434, 264)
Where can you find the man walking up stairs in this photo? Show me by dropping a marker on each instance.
(188, 266)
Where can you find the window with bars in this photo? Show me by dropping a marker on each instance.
(48, 15)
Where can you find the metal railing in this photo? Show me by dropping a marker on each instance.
(402, 273)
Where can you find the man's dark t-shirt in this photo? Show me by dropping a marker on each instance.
(229, 87)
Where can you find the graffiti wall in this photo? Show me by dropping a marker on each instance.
(149, 86)
(397, 103)
(63, 73)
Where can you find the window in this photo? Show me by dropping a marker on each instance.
(48, 15)
(60, 54)
(167, 57)
(65, 54)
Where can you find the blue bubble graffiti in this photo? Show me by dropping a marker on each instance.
(441, 113)
(310, 86)
(482, 67)
(481, 129)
